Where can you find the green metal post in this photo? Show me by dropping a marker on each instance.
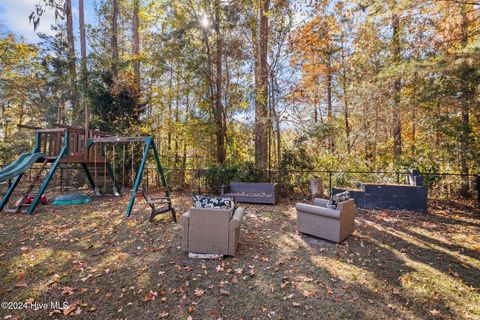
(12, 187)
(89, 176)
(138, 179)
(49, 177)
(160, 170)
(9, 193)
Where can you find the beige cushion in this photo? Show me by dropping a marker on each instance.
(320, 211)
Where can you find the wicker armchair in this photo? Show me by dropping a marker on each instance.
(209, 230)
(331, 224)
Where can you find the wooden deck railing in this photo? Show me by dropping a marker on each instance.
(51, 142)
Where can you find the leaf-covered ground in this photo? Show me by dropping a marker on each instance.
(396, 265)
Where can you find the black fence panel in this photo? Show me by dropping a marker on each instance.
(291, 182)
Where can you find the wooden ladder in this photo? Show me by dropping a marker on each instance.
(101, 178)
(30, 187)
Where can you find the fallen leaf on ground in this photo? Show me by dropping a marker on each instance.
(225, 292)
(71, 308)
(150, 296)
(307, 293)
(163, 314)
(67, 291)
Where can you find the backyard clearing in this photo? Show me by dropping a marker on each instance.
(396, 265)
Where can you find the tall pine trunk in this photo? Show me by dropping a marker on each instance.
(136, 43)
(218, 112)
(467, 97)
(276, 119)
(211, 90)
(331, 141)
(4, 124)
(329, 87)
(83, 65)
(114, 38)
(261, 83)
(71, 67)
(345, 97)
(170, 122)
(83, 44)
(397, 86)
(187, 118)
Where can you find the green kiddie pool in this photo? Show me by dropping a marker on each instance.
(71, 199)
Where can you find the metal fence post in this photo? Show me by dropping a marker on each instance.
(330, 182)
(478, 190)
(198, 181)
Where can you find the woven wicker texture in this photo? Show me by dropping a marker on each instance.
(206, 230)
(334, 225)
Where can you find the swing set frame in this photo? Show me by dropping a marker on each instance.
(149, 143)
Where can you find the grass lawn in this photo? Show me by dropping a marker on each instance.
(396, 265)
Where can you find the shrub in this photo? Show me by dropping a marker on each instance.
(222, 174)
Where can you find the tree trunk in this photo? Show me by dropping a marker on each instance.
(276, 119)
(4, 124)
(83, 44)
(315, 101)
(375, 136)
(71, 67)
(330, 139)
(365, 129)
(169, 122)
(345, 98)
(218, 112)
(114, 38)
(136, 44)
(279, 140)
(184, 156)
(211, 90)
(414, 130)
(261, 84)
(60, 112)
(83, 66)
(437, 125)
(177, 111)
(467, 97)
(397, 86)
(329, 88)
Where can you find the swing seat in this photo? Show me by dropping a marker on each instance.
(159, 205)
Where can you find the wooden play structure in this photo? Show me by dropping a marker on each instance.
(72, 145)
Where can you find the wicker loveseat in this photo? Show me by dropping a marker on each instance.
(252, 192)
(331, 224)
(210, 230)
